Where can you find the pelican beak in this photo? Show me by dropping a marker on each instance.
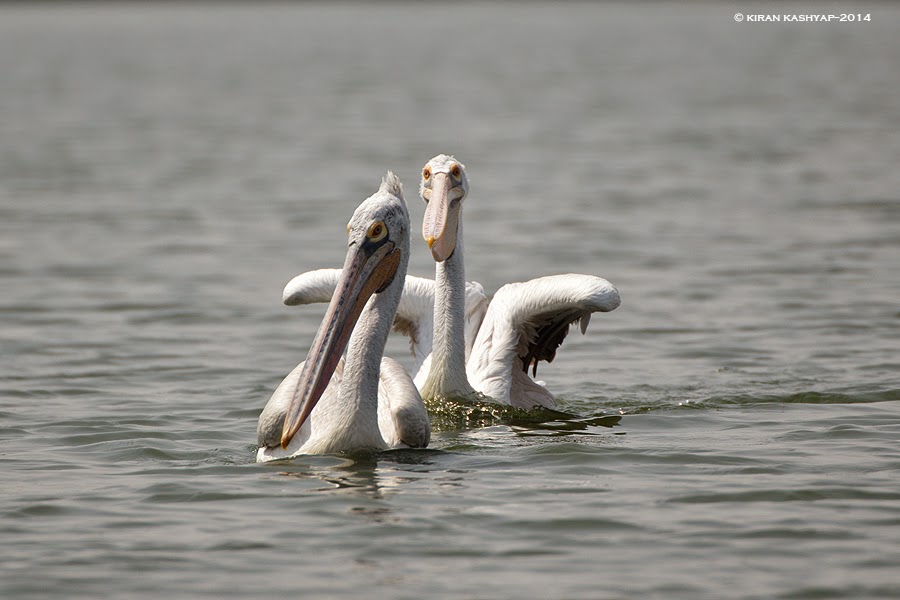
(441, 219)
(368, 269)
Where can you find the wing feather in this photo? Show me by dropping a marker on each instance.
(526, 323)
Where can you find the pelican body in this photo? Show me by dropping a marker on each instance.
(330, 404)
(525, 323)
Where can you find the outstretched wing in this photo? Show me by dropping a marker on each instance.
(525, 324)
(415, 315)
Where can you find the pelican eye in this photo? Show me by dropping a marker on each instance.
(377, 231)
(426, 173)
(455, 171)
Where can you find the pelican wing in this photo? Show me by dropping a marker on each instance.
(271, 420)
(402, 418)
(415, 315)
(525, 324)
(311, 287)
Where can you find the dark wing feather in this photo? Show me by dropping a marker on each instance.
(548, 337)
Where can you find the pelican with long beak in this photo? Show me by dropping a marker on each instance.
(330, 404)
(525, 323)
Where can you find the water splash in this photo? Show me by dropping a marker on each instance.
(455, 413)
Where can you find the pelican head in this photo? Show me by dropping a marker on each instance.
(378, 239)
(443, 188)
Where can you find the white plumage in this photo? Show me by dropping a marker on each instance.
(525, 322)
(333, 404)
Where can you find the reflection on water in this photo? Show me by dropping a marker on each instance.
(368, 474)
(579, 426)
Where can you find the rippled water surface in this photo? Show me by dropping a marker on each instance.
(165, 170)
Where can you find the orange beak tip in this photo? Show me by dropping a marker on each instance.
(285, 440)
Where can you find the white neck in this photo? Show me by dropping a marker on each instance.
(447, 377)
(356, 407)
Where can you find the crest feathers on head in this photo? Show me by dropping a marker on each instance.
(390, 184)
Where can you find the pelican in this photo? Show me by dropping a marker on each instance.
(465, 346)
(329, 404)
(525, 323)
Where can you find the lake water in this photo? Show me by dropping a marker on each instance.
(165, 170)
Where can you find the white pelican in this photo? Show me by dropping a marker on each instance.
(462, 345)
(524, 324)
(328, 404)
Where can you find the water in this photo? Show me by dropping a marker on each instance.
(165, 170)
